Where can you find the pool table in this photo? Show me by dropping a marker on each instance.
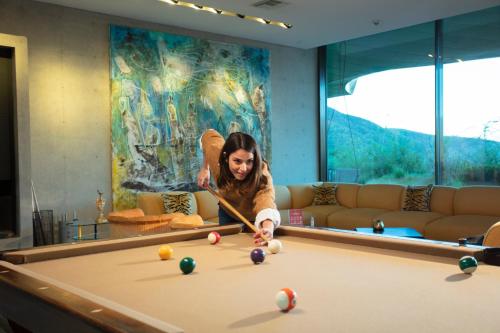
(345, 281)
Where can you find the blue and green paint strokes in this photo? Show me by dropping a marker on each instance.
(165, 91)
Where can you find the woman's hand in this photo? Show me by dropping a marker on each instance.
(265, 233)
(203, 177)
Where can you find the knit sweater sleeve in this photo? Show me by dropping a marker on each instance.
(264, 204)
(211, 144)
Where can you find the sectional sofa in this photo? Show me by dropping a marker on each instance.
(454, 212)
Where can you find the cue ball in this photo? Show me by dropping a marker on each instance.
(467, 264)
(257, 255)
(274, 246)
(286, 299)
(213, 237)
(187, 265)
(165, 252)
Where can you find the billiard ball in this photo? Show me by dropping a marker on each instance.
(165, 252)
(467, 264)
(213, 237)
(257, 255)
(274, 246)
(286, 299)
(187, 265)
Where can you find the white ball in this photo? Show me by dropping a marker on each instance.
(274, 246)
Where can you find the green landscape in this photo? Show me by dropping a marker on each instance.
(396, 156)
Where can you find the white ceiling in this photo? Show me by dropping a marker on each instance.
(315, 22)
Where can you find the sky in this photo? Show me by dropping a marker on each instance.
(404, 98)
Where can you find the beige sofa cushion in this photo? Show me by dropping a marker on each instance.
(283, 198)
(442, 199)
(126, 213)
(451, 228)
(150, 203)
(480, 200)
(353, 218)
(320, 213)
(207, 206)
(302, 195)
(409, 219)
(186, 222)
(347, 194)
(386, 197)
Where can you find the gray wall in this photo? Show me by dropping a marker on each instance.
(70, 106)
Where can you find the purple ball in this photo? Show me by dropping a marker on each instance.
(258, 255)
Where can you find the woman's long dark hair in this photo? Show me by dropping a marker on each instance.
(254, 179)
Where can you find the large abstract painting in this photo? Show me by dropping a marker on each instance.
(165, 91)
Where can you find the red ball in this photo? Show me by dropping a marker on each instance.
(213, 237)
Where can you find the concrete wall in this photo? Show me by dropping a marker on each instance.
(70, 102)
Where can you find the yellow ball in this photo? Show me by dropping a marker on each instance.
(165, 252)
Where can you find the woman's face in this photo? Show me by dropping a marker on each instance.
(241, 163)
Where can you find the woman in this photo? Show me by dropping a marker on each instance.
(243, 179)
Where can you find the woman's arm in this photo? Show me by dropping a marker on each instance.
(211, 143)
(267, 216)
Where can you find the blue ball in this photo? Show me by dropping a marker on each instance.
(257, 255)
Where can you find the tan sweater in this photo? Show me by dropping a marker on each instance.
(256, 205)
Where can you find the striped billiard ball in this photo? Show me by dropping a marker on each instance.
(467, 264)
(286, 299)
(213, 237)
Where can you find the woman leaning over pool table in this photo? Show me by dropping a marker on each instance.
(242, 178)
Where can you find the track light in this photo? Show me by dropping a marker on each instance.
(171, 2)
(227, 13)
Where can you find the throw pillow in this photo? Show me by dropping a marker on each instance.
(179, 202)
(418, 198)
(324, 194)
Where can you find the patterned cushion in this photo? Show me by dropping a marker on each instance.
(179, 202)
(418, 198)
(324, 194)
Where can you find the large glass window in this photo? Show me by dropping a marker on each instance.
(381, 104)
(380, 114)
(471, 102)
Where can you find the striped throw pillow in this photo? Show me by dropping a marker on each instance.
(179, 202)
(418, 198)
(324, 194)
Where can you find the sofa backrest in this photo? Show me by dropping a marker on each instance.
(207, 205)
(380, 196)
(151, 203)
(442, 199)
(480, 200)
(301, 195)
(283, 197)
(347, 194)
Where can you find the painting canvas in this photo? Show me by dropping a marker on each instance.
(166, 90)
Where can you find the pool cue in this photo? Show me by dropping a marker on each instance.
(235, 212)
(37, 216)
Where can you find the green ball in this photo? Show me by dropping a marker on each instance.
(187, 265)
(467, 264)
